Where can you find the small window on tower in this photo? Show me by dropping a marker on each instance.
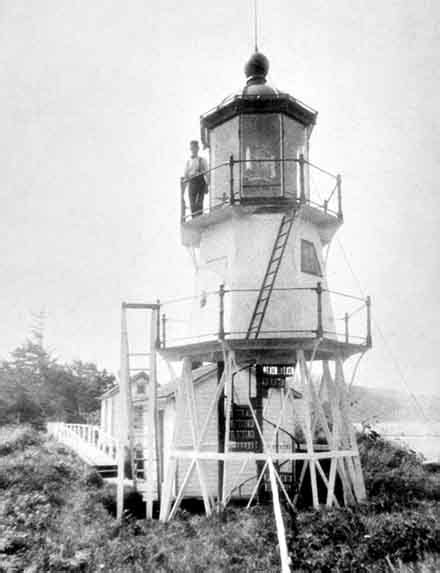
(309, 259)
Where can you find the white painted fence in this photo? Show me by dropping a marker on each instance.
(92, 444)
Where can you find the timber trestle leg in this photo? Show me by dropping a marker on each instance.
(315, 409)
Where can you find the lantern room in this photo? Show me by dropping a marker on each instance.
(258, 146)
(257, 139)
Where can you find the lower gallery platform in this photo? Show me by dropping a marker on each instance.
(264, 350)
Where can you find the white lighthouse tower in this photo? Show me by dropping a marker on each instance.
(261, 232)
(258, 422)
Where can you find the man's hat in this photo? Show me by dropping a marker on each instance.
(193, 142)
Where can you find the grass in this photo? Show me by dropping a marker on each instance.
(54, 517)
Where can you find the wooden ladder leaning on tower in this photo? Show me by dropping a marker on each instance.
(271, 273)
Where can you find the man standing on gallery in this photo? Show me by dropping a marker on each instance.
(196, 177)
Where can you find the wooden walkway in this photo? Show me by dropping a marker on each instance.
(89, 442)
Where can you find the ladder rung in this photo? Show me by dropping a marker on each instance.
(139, 369)
(266, 297)
(139, 353)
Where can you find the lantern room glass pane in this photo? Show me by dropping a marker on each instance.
(295, 144)
(260, 155)
(223, 145)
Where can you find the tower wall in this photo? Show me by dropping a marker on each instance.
(236, 252)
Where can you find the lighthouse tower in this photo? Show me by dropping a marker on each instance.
(269, 417)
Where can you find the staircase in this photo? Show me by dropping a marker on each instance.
(271, 274)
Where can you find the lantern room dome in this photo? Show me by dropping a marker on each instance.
(257, 96)
(257, 66)
(256, 69)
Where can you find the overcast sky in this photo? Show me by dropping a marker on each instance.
(98, 101)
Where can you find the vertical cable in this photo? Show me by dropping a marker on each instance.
(256, 25)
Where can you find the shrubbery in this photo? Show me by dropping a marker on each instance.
(394, 476)
(17, 438)
(53, 518)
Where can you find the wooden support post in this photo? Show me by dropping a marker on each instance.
(339, 438)
(331, 484)
(283, 489)
(170, 477)
(347, 334)
(221, 312)
(157, 333)
(154, 454)
(257, 485)
(167, 490)
(194, 425)
(125, 414)
(368, 305)
(228, 402)
(353, 464)
(220, 427)
(308, 428)
(302, 185)
(301, 479)
(203, 487)
(196, 443)
(319, 328)
(181, 491)
(182, 200)
(231, 180)
(164, 330)
(120, 483)
(281, 532)
(330, 490)
(339, 192)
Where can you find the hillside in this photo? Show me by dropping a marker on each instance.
(386, 405)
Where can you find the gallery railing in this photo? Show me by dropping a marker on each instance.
(265, 181)
(331, 314)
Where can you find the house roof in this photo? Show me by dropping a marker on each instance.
(167, 390)
(199, 375)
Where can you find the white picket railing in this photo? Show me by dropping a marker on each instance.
(89, 442)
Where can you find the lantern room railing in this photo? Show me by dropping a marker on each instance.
(288, 181)
(330, 314)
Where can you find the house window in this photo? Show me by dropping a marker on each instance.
(309, 259)
(138, 418)
(140, 387)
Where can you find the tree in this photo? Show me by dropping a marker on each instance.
(22, 383)
(34, 387)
